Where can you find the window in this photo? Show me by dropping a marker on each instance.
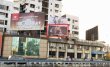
(50, 9)
(2, 7)
(52, 45)
(32, 5)
(76, 32)
(1, 13)
(76, 27)
(79, 55)
(16, 8)
(7, 7)
(31, 11)
(68, 19)
(38, 7)
(57, 5)
(39, 0)
(76, 20)
(72, 32)
(71, 46)
(2, 22)
(79, 47)
(5, 22)
(6, 15)
(86, 47)
(56, 11)
(72, 26)
(73, 21)
(5, 29)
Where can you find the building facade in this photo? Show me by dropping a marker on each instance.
(92, 34)
(73, 22)
(58, 49)
(6, 9)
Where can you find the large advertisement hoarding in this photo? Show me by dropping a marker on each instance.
(57, 30)
(25, 46)
(57, 20)
(27, 21)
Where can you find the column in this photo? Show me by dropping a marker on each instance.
(90, 53)
(66, 48)
(75, 51)
(96, 57)
(57, 52)
(48, 50)
(83, 53)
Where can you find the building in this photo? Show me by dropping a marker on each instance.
(58, 49)
(91, 49)
(6, 9)
(73, 22)
(92, 34)
(49, 48)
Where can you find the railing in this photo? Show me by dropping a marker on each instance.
(54, 64)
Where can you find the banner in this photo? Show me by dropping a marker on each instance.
(57, 20)
(27, 21)
(57, 30)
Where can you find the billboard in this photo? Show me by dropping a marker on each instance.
(25, 46)
(57, 30)
(92, 34)
(57, 20)
(27, 21)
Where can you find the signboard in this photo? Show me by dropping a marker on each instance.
(27, 21)
(57, 30)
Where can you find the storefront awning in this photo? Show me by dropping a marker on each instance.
(97, 52)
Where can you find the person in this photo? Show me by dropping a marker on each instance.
(91, 58)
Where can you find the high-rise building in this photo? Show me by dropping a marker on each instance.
(92, 34)
(6, 9)
(73, 22)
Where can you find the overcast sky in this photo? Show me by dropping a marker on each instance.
(90, 13)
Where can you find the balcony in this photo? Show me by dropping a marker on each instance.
(89, 43)
(2, 17)
(72, 36)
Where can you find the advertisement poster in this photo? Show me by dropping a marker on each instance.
(57, 20)
(25, 46)
(27, 21)
(57, 30)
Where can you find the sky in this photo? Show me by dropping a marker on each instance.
(90, 13)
